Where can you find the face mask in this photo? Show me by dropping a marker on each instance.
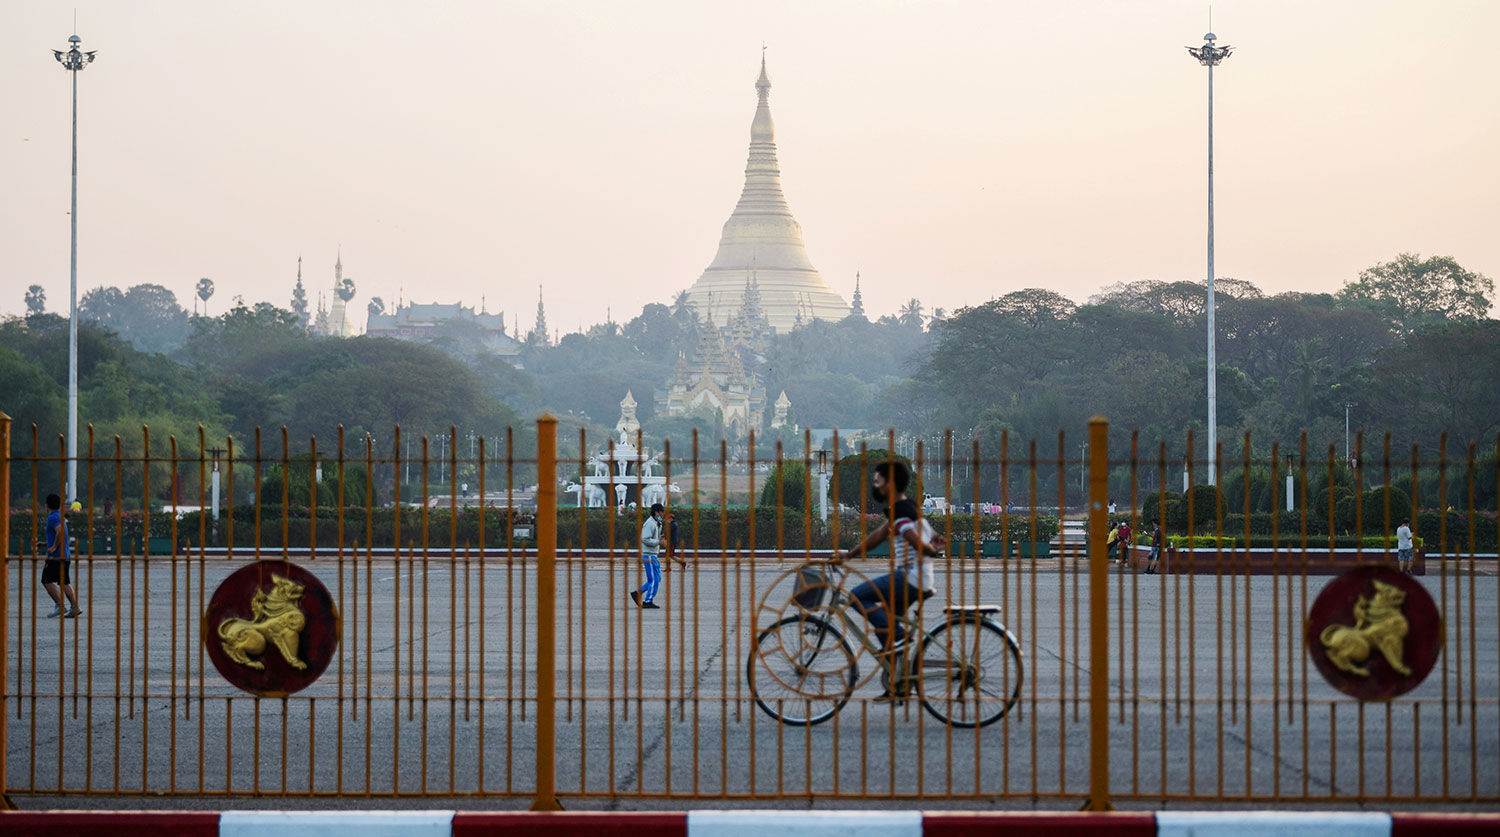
(878, 493)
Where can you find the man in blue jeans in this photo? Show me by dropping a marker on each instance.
(55, 569)
(645, 597)
(913, 543)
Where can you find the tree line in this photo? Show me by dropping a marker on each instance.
(1409, 343)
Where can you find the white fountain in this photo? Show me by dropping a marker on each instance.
(626, 473)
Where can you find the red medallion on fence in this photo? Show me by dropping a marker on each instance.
(1374, 633)
(271, 628)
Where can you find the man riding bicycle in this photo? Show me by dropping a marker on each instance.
(913, 542)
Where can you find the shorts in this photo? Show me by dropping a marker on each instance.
(55, 569)
(1403, 554)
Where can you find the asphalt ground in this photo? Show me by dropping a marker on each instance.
(1211, 700)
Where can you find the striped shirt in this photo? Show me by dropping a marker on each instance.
(910, 561)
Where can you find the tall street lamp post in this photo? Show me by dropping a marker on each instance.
(1348, 455)
(73, 61)
(1209, 56)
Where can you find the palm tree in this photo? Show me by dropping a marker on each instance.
(911, 313)
(376, 306)
(1309, 363)
(345, 290)
(36, 300)
(205, 290)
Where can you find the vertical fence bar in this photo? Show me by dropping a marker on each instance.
(546, 611)
(4, 604)
(1098, 615)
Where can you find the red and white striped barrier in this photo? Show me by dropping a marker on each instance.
(743, 824)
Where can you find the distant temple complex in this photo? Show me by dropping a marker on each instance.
(425, 323)
(719, 376)
(762, 236)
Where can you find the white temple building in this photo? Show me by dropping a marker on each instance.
(761, 235)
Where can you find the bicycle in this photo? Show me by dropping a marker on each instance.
(967, 673)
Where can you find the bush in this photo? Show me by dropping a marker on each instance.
(1430, 525)
(1206, 505)
(299, 483)
(791, 477)
(1199, 541)
(1175, 516)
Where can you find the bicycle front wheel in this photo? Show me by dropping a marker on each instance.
(801, 670)
(969, 672)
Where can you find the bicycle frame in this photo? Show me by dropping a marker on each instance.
(916, 633)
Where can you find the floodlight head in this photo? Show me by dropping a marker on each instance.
(74, 39)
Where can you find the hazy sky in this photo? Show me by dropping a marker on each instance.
(951, 151)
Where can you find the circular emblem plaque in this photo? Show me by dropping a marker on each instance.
(271, 628)
(1374, 633)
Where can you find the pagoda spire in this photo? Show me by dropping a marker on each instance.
(763, 235)
(299, 297)
(857, 309)
(539, 331)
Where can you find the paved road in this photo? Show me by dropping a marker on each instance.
(653, 703)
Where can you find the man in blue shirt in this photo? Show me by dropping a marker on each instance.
(55, 570)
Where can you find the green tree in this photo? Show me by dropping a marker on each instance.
(853, 475)
(147, 315)
(205, 290)
(911, 313)
(1310, 366)
(1443, 378)
(1412, 292)
(36, 300)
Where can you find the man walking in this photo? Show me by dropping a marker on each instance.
(651, 530)
(671, 546)
(1124, 538)
(1156, 540)
(1404, 546)
(55, 570)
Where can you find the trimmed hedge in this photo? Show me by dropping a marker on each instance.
(1380, 544)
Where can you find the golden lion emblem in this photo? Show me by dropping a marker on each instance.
(1378, 626)
(276, 621)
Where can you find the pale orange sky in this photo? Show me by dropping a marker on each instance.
(951, 151)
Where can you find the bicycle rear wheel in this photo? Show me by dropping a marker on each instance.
(801, 670)
(969, 672)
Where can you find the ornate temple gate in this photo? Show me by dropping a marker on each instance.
(480, 641)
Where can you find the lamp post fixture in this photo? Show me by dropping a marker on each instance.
(1290, 486)
(822, 484)
(1209, 56)
(73, 60)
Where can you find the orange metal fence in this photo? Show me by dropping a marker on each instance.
(490, 645)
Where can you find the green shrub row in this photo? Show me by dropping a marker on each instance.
(1379, 544)
(1429, 524)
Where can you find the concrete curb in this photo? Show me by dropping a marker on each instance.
(746, 823)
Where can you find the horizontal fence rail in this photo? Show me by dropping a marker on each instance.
(490, 638)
